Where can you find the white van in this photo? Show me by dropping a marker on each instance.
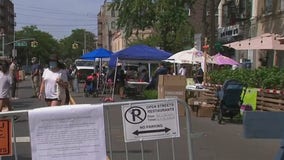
(84, 68)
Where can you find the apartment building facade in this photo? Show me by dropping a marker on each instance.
(7, 26)
(106, 26)
(235, 20)
(243, 19)
(111, 38)
(268, 17)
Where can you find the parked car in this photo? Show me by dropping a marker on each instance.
(84, 68)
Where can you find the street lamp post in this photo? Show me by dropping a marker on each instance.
(14, 51)
(85, 42)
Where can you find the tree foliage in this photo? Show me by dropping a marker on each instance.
(46, 45)
(167, 18)
(80, 37)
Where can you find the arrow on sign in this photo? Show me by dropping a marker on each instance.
(151, 131)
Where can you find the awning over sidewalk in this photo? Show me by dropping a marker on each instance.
(269, 41)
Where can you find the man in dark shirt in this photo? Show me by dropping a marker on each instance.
(199, 74)
(161, 70)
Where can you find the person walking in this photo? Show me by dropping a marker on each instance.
(120, 81)
(35, 76)
(54, 83)
(5, 84)
(13, 73)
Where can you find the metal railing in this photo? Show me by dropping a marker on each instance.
(117, 149)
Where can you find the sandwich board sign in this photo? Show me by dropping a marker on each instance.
(150, 121)
(5, 137)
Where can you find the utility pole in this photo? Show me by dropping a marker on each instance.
(205, 53)
(3, 44)
(85, 42)
(2, 34)
(14, 51)
(212, 28)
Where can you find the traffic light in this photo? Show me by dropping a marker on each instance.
(34, 44)
(75, 45)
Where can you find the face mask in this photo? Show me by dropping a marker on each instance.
(52, 64)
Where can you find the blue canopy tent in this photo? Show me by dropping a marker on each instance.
(98, 53)
(139, 53)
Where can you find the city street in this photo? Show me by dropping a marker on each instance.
(211, 141)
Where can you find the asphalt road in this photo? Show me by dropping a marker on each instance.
(211, 141)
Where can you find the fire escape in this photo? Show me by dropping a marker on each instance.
(236, 21)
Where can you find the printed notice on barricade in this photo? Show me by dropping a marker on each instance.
(68, 133)
(150, 121)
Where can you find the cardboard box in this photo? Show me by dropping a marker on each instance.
(170, 86)
(205, 110)
(171, 80)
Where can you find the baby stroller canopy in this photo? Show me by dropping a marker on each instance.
(230, 99)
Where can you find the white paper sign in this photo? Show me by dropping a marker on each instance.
(150, 121)
(68, 133)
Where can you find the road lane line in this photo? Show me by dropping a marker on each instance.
(21, 139)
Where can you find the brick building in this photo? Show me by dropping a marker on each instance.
(7, 25)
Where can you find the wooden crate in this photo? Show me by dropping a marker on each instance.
(210, 96)
(269, 101)
(205, 110)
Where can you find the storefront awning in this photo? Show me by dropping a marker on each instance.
(269, 41)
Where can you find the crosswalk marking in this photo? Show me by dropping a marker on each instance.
(21, 139)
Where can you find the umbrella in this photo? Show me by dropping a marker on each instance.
(223, 60)
(98, 53)
(186, 56)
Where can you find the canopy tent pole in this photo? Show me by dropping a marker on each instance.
(205, 47)
(149, 73)
(275, 58)
(114, 79)
(175, 73)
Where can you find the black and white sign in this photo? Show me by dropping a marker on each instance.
(150, 121)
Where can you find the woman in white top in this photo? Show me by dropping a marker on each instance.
(54, 83)
(5, 84)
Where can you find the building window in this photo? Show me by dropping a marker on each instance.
(281, 5)
(113, 25)
(268, 6)
(112, 13)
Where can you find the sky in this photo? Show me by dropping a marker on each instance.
(58, 17)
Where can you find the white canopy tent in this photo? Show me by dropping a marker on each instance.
(186, 56)
(191, 56)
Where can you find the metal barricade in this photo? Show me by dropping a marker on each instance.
(175, 148)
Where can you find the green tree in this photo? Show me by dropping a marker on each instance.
(46, 45)
(167, 18)
(80, 37)
(134, 15)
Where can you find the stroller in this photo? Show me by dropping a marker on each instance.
(89, 86)
(229, 101)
